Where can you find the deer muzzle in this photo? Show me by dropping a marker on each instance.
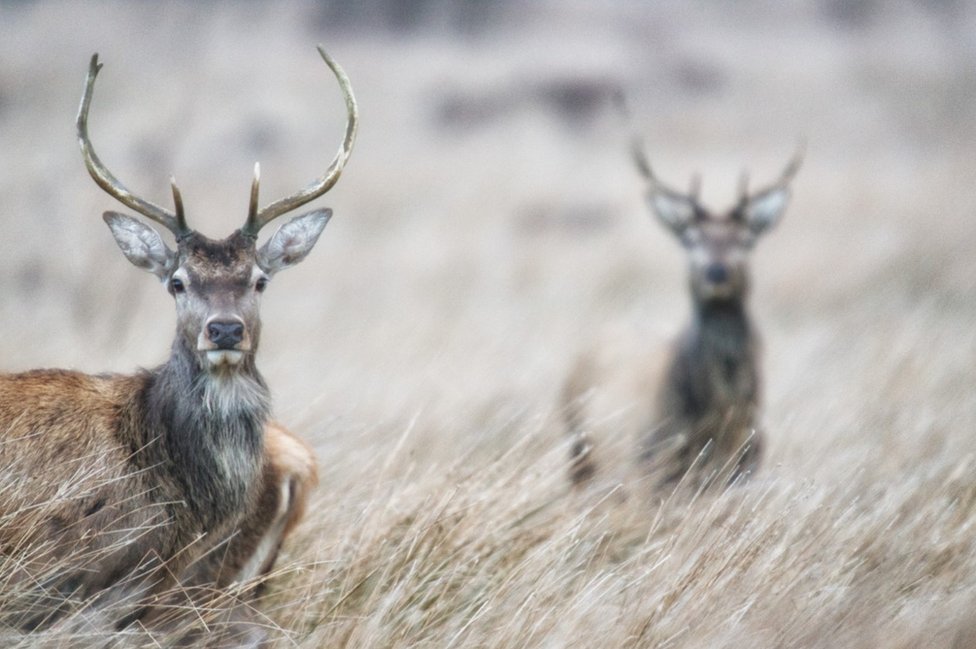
(224, 340)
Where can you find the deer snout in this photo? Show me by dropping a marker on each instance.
(225, 334)
(717, 273)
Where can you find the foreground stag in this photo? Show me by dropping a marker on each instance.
(705, 417)
(114, 489)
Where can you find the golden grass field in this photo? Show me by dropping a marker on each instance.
(490, 227)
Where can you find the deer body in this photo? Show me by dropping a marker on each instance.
(155, 473)
(704, 413)
(115, 488)
(709, 399)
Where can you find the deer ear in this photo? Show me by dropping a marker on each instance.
(141, 244)
(293, 241)
(763, 211)
(675, 212)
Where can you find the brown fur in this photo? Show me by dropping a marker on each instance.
(82, 486)
(289, 474)
(116, 488)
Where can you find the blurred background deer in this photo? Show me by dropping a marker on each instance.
(706, 404)
(126, 486)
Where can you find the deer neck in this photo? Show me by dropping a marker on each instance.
(212, 427)
(721, 331)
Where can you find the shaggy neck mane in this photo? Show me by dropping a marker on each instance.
(212, 427)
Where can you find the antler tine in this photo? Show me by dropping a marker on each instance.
(794, 164)
(792, 167)
(252, 210)
(639, 154)
(180, 215)
(174, 222)
(257, 219)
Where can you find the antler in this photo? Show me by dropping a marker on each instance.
(257, 219)
(639, 155)
(175, 222)
(644, 167)
(784, 179)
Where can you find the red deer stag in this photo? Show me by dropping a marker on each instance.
(705, 415)
(116, 488)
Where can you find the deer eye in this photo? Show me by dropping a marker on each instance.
(261, 284)
(176, 285)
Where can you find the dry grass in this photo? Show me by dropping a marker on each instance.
(488, 228)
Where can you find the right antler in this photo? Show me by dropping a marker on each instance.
(257, 219)
(175, 222)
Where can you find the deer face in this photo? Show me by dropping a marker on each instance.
(718, 245)
(717, 254)
(217, 285)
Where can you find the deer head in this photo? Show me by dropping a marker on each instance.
(718, 244)
(217, 284)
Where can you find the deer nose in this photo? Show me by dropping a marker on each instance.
(225, 334)
(717, 273)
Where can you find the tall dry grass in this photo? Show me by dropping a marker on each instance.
(488, 228)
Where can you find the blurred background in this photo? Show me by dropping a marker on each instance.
(490, 225)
